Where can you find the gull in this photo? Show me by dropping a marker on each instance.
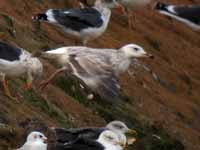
(108, 140)
(70, 135)
(84, 23)
(98, 69)
(188, 14)
(35, 141)
(15, 62)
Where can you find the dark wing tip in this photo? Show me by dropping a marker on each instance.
(39, 17)
(160, 6)
(109, 90)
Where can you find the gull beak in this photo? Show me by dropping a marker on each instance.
(149, 56)
(131, 136)
(120, 144)
(131, 141)
(131, 132)
(45, 140)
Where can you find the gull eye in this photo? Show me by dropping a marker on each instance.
(119, 126)
(136, 49)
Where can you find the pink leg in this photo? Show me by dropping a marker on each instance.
(131, 19)
(44, 83)
(7, 91)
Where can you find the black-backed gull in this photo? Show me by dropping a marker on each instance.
(15, 62)
(85, 23)
(108, 140)
(64, 135)
(188, 14)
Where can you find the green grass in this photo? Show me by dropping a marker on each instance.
(8, 20)
(150, 137)
(8, 25)
(46, 107)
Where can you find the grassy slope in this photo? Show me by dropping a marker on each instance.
(156, 107)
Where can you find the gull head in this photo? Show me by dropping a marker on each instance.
(120, 127)
(37, 137)
(112, 140)
(135, 51)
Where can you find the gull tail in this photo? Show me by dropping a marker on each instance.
(40, 17)
(47, 55)
(161, 6)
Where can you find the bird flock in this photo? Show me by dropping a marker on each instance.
(95, 68)
(111, 137)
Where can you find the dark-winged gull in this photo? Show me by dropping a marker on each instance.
(85, 23)
(108, 140)
(128, 5)
(15, 62)
(98, 69)
(70, 135)
(35, 141)
(188, 14)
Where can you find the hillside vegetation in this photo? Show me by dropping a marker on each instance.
(162, 102)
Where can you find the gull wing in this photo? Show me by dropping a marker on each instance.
(97, 73)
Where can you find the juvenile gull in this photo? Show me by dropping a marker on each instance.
(70, 135)
(108, 140)
(85, 23)
(188, 14)
(35, 141)
(15, 62)
(98, 69)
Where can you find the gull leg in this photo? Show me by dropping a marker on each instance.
(122, 9)
(29, 82)
(7, 91)
(85, 42)
(128, 13)
(44, 83)
(131, 19)
(82, 6)
(28, 86)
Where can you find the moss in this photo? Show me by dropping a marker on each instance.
(72, 88)
(46, 107)
(36, 26)
(8, 20)
(8, 25)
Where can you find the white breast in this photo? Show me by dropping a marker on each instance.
(34, 146)
(123, 67)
